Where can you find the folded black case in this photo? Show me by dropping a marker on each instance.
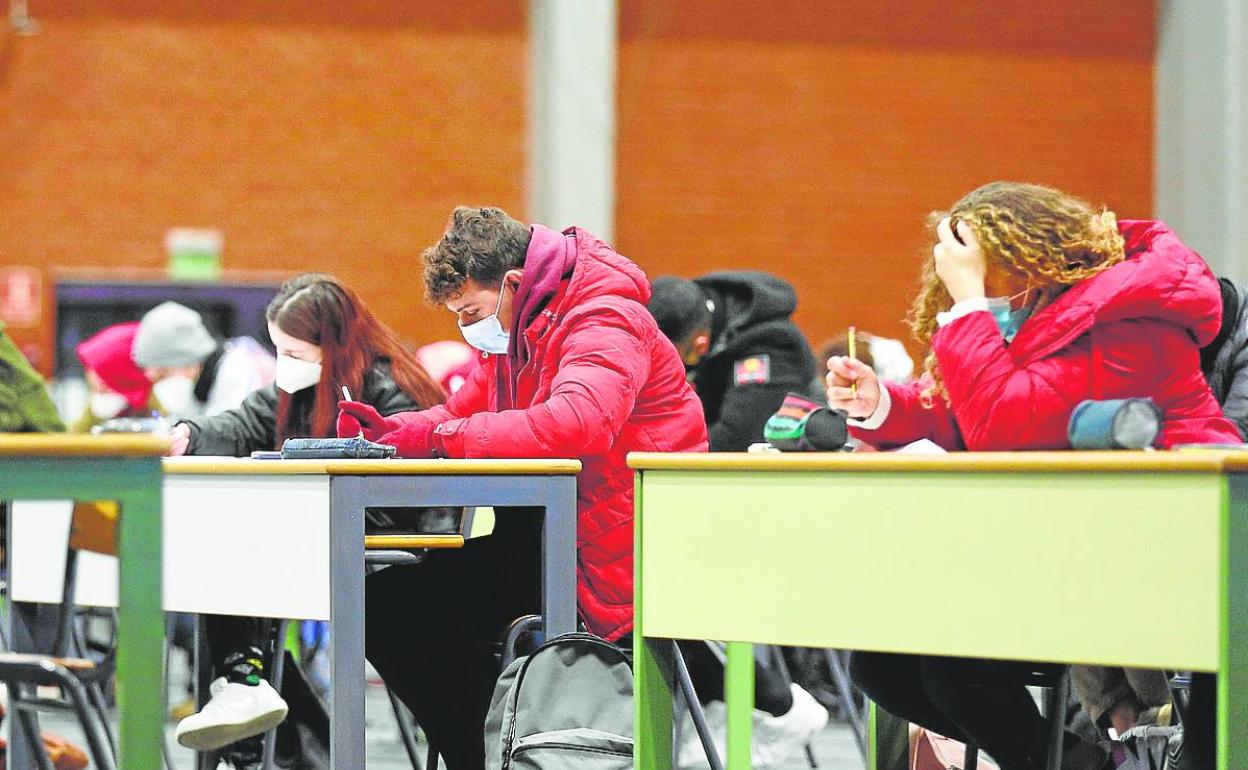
(334, 449)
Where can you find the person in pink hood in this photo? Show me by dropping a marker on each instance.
(1032, 302)
(573, 366)
(118, 387)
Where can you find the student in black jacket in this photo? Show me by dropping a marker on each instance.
(735, 334)
(743, 355)
(326, 339)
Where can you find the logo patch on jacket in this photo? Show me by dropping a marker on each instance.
(755, 370)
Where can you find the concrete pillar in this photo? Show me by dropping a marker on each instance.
(1202, 133)
(571, 121)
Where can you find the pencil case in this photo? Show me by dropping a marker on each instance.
(354, 448)
(802, 425)
(1123, 423)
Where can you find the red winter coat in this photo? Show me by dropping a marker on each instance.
(1133, 330)
(601, 381)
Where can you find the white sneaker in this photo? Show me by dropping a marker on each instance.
(236, 711)
(774, 738)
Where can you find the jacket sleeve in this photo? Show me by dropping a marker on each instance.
(601, 364)
(472, 397)
(1235, 404)
(746, 406)
(237, 432)
(1001, 406)
(909, 420)
(40, 413)
(743, 414)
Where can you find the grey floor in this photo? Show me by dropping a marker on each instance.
(834, 747)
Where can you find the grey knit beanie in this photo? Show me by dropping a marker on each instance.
(171, 335)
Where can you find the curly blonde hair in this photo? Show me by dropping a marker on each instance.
(1051, 239)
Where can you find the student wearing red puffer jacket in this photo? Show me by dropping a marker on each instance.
(573, 366)
(1033, 301)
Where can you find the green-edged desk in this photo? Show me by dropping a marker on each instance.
(125, 469)
(997, 555)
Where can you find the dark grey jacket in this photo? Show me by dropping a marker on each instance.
(1225, 360)
(253, 425)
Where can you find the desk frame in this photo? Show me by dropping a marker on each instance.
(443, 483)
(1193, 508)
(128, 471)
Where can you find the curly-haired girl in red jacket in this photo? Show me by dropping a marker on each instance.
(1032, 302)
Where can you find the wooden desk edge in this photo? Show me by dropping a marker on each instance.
(245, 466)
(1184, 461)
(53, 445)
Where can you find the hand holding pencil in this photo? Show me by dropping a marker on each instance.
(852, 385)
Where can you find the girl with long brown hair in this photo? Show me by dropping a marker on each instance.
(1032, 301)
(326, 339)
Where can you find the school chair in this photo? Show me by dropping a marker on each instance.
(386, 550)
(81, 680)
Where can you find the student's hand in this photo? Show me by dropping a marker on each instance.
(960, 266)
(181, 436)
(354, 416)
(413, 439)
(844, 371)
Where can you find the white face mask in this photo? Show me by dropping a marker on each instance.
(294, 375)
(488, 334)
(176, 394)
(108, 405)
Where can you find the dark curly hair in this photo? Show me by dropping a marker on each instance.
(481, 244)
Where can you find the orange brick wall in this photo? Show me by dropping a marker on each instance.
(813, 144)
(335, 136)
(317, 135)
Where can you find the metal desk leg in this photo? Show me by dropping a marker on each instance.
(204, 664)
(346, 612)
(20, 626)
(1233, 666)
(739, 703)
(654, 677)
(888, 740)
(559, 557)
(140, 620)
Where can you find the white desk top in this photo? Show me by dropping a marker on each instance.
(245, 466)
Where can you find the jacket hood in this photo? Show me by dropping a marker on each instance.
(744, 299)
(107, 353)
(1161, 279)
(601, 271)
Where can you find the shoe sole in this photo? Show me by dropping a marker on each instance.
(222, 734)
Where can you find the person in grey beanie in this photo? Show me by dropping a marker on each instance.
(193, 373)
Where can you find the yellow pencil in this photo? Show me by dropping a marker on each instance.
(853, 353)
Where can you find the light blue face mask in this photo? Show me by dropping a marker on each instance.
(488, 334)
(1008, 320)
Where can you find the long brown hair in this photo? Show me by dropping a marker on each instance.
(1051, 238)
(317, 308)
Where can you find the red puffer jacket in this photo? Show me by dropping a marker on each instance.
(601, 381)
(1133, 330)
